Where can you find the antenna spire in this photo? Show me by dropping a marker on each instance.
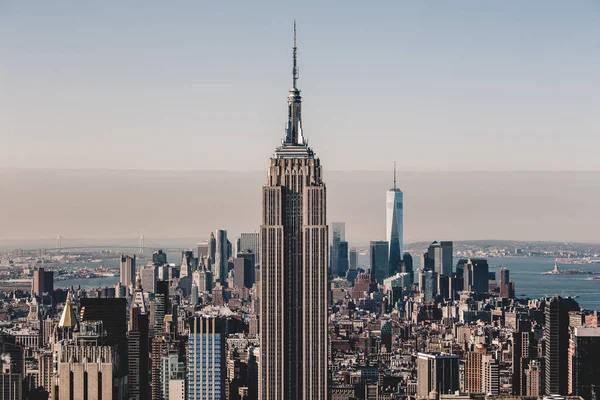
(394, 175)
(295, 70)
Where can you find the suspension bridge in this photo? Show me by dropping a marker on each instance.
(141, 243)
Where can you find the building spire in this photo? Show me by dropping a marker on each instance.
(395, 175)
(293, 130)
(295, 51)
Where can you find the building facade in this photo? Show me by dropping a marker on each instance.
(294, 268)
(380, 268)
(206, 358)
(128, 271)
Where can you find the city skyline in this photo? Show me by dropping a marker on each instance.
(271, 302)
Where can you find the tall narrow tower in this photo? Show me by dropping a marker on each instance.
(294, 257)
(394, 226)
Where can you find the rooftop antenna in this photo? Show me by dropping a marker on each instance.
(394, 175)
(295, 70)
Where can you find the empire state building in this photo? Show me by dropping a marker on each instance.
(294, 263)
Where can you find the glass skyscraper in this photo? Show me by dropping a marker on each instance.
(394, 226)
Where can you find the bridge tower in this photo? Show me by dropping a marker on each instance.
(142, 244)
(59, 243)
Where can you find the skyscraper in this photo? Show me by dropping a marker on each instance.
(556, 338)
(353, 258)
(338, 235)
(439, 258)
(220, 266)
(380, 268)
(127, 277)
(294, 267)
(250, 241)
(447, 258)
(43, 283)
(584, 362)
(507, 287)
(476, 274)
(437, 371)
(342, 259)
(188, 264)
(159, 258)
(206, 358)
(112, 313)
(428, 285)
(394, 219)
(137, 346)
(212, 250)
(243, 270)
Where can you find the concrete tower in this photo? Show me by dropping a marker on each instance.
(394, 226)
(294, 257)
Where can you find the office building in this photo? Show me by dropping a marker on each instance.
(189, 263)
(250, 241)
(243, 270)
(112, 313)
(507, 287)
(203, 279)
(127, 271)
(380, 268)
(206, 358)
(212, 250)
(12, 373)
(221, 257)
(202, 250)
(407, 266)
(294, 269)
(584, 362)
(87, 366)
(533, 379)
(438, 372)
(428, 285)
(394, 219)
(439, 258)
(137, 346)
(556, 338)
(158, 258)
(342, 259)
(473, 372)
(447, 258)
(338, 234)
(353, 258)
(161, 305)
(162, 346)
(476, 275)
(149, 275)
(172, 369)
(490, 375)
(43, 284)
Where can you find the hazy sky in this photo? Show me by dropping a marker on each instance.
(456, 85)
(112, 204)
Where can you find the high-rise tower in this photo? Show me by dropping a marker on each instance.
(294, 258)
(394, 226)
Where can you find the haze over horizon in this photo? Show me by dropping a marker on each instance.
(532, 206)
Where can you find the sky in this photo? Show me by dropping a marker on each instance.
(197, 85)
